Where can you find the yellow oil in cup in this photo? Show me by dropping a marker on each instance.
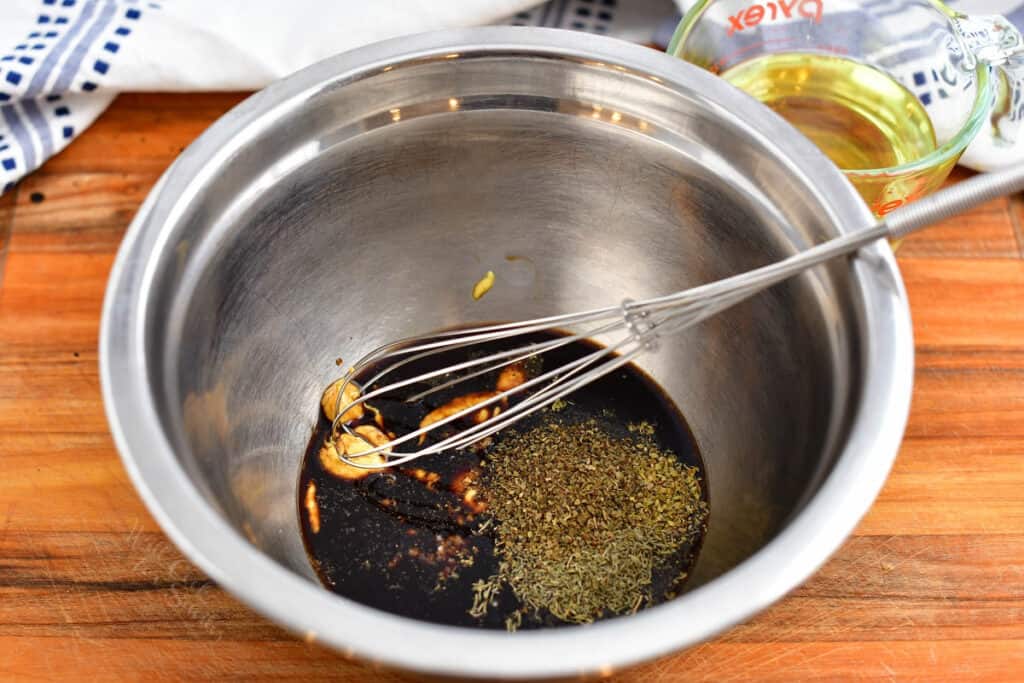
(892, 94)
(859, 116)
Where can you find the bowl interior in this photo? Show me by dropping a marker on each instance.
(365, 213)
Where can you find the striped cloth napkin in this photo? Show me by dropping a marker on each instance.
(63, 61)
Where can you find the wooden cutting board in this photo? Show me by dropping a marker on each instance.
(930, 586)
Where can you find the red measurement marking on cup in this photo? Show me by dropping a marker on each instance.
(756, 13)
(727, 61)
(759, 46)
(881, 207)
(918, 189)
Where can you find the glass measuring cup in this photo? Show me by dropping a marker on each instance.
(892, 91)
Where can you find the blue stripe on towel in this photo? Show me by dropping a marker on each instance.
(42, 126)
(21, 135)
(58, 50)
(70, 68)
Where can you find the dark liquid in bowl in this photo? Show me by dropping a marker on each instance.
(392, 542)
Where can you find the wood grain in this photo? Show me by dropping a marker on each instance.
(86, 210)
(931, 586)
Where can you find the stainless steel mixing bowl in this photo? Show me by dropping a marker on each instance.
(360, 199)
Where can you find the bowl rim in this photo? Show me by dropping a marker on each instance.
(355, 630)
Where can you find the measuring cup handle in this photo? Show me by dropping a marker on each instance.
(1009, 107)
(992, 40)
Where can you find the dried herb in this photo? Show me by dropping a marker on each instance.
(484, 591)
(583, 518)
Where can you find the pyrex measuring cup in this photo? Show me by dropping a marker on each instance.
(892, 91)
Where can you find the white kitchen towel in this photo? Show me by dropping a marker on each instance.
(63, 61)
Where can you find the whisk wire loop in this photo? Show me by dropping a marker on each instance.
(639, 324)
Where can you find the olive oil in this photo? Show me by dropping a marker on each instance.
(860, 117)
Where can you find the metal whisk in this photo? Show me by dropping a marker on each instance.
(640, 323)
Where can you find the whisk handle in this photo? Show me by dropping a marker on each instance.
(953, 200)
(693, 305)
